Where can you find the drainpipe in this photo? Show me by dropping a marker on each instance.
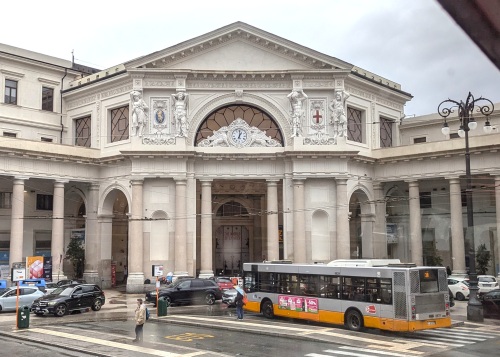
(62, 85)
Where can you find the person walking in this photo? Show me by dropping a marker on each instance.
(140, 319)
(238, 301)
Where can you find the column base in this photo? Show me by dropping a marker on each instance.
(205, 274)
(135, 283)
(459, 273)
(92, 277)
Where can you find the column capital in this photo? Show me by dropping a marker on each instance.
(21, 178)
(206, 182)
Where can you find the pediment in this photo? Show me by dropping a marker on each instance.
(238, 47)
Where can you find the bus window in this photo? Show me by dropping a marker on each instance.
(386, 291)
(354, 289)
(428, 281)
(265, 282)
(329, 286)
(308, 285)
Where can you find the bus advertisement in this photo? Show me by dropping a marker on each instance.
(383, 294)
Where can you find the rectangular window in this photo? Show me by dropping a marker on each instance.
(454, 136)
(425, 200)
(354, 125)
(119, 124)
(83, 131)
(10, 135)
(5, 199)
(385, 132)
(44, 202)
(10, 91)
(47, 140)
(423, 139)
(48, 99)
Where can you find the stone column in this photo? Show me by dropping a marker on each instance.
(415, 224)
(92, 241)
(263, 228)
(497, 206)
(135, 280)
(273, 252)
(180, 228)
(343, 237)
(206, 230)
(299, 224)
(57, 244)
(457, 228)
(17, 221)
(379, 229)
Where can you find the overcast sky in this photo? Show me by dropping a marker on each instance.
(414, 43)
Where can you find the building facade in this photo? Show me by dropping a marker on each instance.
(235, 146)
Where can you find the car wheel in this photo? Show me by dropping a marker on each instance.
(210, 299)
(354, 320)
(267, 309)
(96, 306)
(60, 310)
(168, 300)
(460, 296)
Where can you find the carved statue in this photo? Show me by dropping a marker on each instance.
(259, 138)
(139, 116)
(219, 138)
(296, 99)
(339, 118)
(180, 114)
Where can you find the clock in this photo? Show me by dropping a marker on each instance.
(239, 136)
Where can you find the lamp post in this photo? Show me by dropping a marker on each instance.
(467, 123)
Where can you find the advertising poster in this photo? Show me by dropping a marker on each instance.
(47, 268)
(298, 303)
(34, 267)
(4, 271)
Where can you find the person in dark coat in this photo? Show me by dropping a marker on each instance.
(238, 301)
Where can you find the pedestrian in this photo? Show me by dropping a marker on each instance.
(140, 319)
(125, 273)
(238, 301)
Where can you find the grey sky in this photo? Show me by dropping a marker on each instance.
(414, 43)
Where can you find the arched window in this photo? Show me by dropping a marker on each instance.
(231, 209)
(226, 115)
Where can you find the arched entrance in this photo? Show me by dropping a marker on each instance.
(361, 225)
(114, 238)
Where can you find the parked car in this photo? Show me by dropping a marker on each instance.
(228, 297)
(491, 303)
(486, 283)
(187, 291)
(223, 282)
(459, 286)
(27, 294)
(69, 298)
(37, 282)
(65, 282)
(50, 287)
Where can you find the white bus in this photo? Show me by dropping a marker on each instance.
(370, 293)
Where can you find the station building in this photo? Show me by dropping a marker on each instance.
(234, 146)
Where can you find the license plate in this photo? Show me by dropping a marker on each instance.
(38, 308)
(431, 322)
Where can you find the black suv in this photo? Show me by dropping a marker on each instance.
(186, 291)
(73, 297)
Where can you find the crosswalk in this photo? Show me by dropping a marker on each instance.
(418, 344)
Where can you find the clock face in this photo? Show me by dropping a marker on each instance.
(239, 135)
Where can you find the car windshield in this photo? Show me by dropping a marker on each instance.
(62, 291)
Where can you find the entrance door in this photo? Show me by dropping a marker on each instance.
(231, 249)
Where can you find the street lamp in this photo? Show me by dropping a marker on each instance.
(467, 123)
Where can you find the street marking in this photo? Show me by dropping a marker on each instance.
(124, 346)
(189, 337)
(385, 353)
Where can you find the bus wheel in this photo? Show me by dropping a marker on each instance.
(354, 320)
(267, 309)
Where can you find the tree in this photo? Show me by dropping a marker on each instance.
(483, 258)
(76, 254)
(433, 258)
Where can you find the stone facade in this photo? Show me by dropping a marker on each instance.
(199, 157)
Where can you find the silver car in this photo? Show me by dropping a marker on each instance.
(26, 297)
(228, 296)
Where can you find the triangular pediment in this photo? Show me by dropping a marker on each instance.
(238, 47)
